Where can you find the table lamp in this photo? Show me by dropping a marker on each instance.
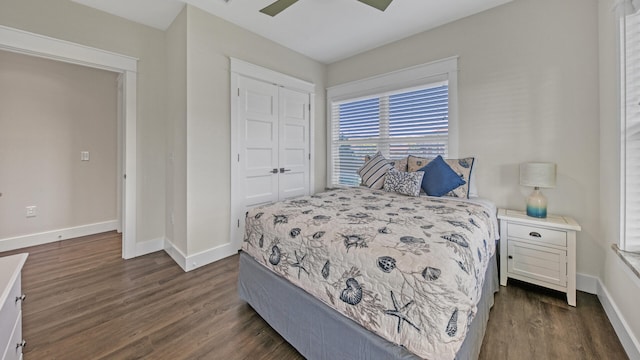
(539, 175)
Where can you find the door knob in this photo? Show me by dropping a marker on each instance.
(283, 170)
(274, 171)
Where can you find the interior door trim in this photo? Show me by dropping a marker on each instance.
(28, 43)
(242, 68)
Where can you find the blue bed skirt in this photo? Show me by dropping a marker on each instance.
(319, 332)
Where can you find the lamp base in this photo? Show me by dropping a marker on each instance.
(537, 204)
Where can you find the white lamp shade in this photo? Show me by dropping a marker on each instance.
(538, 174)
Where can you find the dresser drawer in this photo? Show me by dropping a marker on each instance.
(537, 262)
(14, 351)
(536, 234)
(9, 312)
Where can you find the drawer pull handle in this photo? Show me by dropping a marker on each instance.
(20, 298)
(535, 234)
(21, 344)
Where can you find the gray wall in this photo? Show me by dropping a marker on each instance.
(201, 164)
(63, 19)
(528, 91)
(176, 170)
(49, 112)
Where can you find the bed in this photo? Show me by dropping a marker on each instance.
(355, 273)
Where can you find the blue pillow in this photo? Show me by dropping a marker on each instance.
(439, 178)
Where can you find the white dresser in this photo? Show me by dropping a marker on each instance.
(539, 251)
(11, 298)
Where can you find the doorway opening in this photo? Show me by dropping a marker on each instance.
(23, 42)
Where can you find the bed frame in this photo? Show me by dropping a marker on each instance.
(319, 332)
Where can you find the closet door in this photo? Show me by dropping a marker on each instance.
(258, 118)
(271, 127)
(293, 143)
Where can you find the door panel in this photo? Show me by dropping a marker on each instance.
(537, 262)
(294, 143)
(258, 132)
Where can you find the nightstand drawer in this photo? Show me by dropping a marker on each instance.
(531, 233)
(537, 262)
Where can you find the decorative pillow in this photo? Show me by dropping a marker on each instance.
(473, 183)
(414, 163)
(462, 167)
(399, 164)
(438, 178)
(374, 170)
(406, 183)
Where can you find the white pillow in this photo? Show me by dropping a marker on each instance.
(406, 183)
(374, 171)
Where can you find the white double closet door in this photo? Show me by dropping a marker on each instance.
(274, 157)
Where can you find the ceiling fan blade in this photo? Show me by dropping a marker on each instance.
(278, 6)
(378, 4)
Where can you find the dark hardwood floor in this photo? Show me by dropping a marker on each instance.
(85, 302)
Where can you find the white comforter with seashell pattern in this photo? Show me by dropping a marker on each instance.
(409, 269)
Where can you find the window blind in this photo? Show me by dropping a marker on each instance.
(410, 121)
(631, 137)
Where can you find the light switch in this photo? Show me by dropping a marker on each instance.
(31, 211)
(84, 155)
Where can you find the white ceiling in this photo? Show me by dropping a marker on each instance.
(324, 30)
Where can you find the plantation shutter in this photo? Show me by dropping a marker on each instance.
(359, 122)
(419, 122)
(411, 121)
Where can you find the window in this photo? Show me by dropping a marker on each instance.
(401, 113)
(630, 125)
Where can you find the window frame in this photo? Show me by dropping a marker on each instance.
(409, 78)
(624, 242)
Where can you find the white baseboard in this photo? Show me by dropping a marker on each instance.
(149, 246)
(587, 283)
(188, 263)
(629, 341)
(210, 255)
(23, 241)
(178, 256)
(593, 285)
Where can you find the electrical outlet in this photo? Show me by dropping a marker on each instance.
(31, 211)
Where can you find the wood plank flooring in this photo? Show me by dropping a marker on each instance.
(85, 302)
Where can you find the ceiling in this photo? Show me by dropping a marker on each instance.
(324, 30)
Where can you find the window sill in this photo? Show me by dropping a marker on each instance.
(632, 259)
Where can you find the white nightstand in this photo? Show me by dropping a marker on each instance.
(539, 251)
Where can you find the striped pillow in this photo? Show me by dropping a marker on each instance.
(374, 171)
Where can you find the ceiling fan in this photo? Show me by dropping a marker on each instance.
(278, 6)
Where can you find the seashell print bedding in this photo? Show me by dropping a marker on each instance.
(408, 269)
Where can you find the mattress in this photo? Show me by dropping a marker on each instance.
(410, 270)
